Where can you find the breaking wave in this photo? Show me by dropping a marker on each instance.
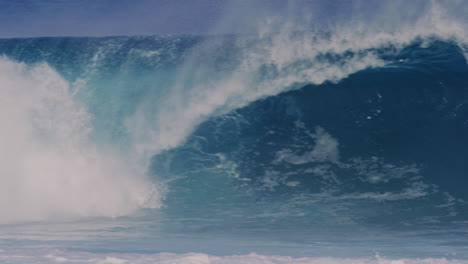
(279, 134)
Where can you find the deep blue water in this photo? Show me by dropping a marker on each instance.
(276, 146)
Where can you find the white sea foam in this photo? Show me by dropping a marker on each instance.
(325, 150)
(50, 169)
(40, 257)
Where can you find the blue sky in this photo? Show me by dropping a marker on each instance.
(104, 17)
(33, 18)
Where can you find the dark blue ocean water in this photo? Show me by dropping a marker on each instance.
(301, 145)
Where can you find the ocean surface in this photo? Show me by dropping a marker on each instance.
(293, 147)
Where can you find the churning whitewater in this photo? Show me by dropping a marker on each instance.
(51, 169)
(326, 146)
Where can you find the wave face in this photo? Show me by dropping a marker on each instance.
(385, 145)
(282, 136)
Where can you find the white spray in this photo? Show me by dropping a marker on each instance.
(49, 168)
